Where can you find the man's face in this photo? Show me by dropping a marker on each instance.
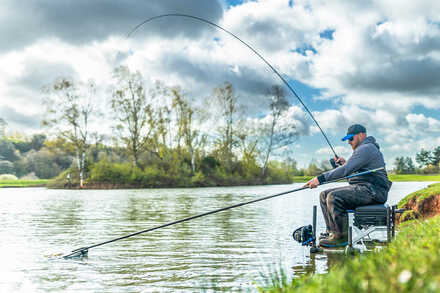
(356, 140)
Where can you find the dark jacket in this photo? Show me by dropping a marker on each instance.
(366, 156)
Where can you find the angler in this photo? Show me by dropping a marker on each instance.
(368, 189)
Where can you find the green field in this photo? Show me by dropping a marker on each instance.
(413, 177)
(392, 177)
(23, 183)
(411, 263)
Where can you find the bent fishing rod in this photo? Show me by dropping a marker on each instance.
(248, 46)
(83, 251)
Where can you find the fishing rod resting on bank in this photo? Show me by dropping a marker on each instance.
(255, 52)
(83, 251)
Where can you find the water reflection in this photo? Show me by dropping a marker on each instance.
(228, 250)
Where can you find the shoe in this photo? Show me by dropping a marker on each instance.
(334, 241)
(324, 235)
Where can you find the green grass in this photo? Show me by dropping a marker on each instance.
(392, 177)
(413, 177)
(301, 179)
(23, 183)
(431, 190)
(411, 263)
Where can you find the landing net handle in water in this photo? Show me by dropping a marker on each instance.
(83, 251)
(247, 45)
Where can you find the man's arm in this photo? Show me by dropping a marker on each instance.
(360, 158)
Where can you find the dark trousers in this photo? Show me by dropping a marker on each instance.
(336, 201)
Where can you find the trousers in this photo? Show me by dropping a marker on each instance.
(336, 201)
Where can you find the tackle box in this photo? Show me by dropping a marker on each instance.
(371, 215)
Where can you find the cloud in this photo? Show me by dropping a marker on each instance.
(37, 73)
(81, 21)
(340, 150)
(377, 67)
(18, 120)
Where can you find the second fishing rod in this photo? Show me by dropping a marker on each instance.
(83, 251)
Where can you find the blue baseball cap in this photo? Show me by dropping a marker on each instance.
(353, 130)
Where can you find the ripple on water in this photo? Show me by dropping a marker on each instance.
(226, 250)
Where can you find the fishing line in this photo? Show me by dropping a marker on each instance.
(247, 45)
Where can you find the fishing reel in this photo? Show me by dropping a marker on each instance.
(304, 235)
(333, 163)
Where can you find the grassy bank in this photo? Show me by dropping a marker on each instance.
(420, 195)
(392, 177)
(109, 175)
(411, 263)
(421, 204)
(23, 183)
(413, 177)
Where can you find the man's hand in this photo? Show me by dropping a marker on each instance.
(312, 183)
(340, 161)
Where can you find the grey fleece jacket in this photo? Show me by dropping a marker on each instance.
(365, 157)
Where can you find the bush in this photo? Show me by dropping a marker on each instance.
(107, 172)
(209, 164)
(6, 167)
(30, 176)
(198, 179)
(8, 177)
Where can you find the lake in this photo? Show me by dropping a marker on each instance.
(227, 250)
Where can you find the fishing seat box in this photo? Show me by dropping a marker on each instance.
(371, 215)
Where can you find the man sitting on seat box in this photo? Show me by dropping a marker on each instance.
(363, 190)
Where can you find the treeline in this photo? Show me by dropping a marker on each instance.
(428, 163)
(31, 157)
(161, 137)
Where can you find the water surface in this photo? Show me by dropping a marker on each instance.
(228, 250)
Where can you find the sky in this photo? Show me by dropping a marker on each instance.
(371, 62)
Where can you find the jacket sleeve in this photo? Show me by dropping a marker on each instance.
(359, 159)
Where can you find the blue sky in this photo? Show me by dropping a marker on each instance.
(351, 62)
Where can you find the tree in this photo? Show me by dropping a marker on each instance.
(409, 165)
(37, 141)
(423, 158)
(69, 111)
(134, 112)
(290, 163)
(227, 100)
(3, 125)
(399, 165)
(404, 165)
(7, 150)
(248, 139)
(272, 139)
(185, 116)
(435, 157)
(313, 169)
(6, 167)
(42, 163)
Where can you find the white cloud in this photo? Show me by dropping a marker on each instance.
(340, 150)
(382, 63)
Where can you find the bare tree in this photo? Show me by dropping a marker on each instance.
(227, 100)
(248, 138)
(274, 134)
(185, 119)
(69, 111)
(133, 110)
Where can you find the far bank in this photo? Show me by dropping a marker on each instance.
(61, 182)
